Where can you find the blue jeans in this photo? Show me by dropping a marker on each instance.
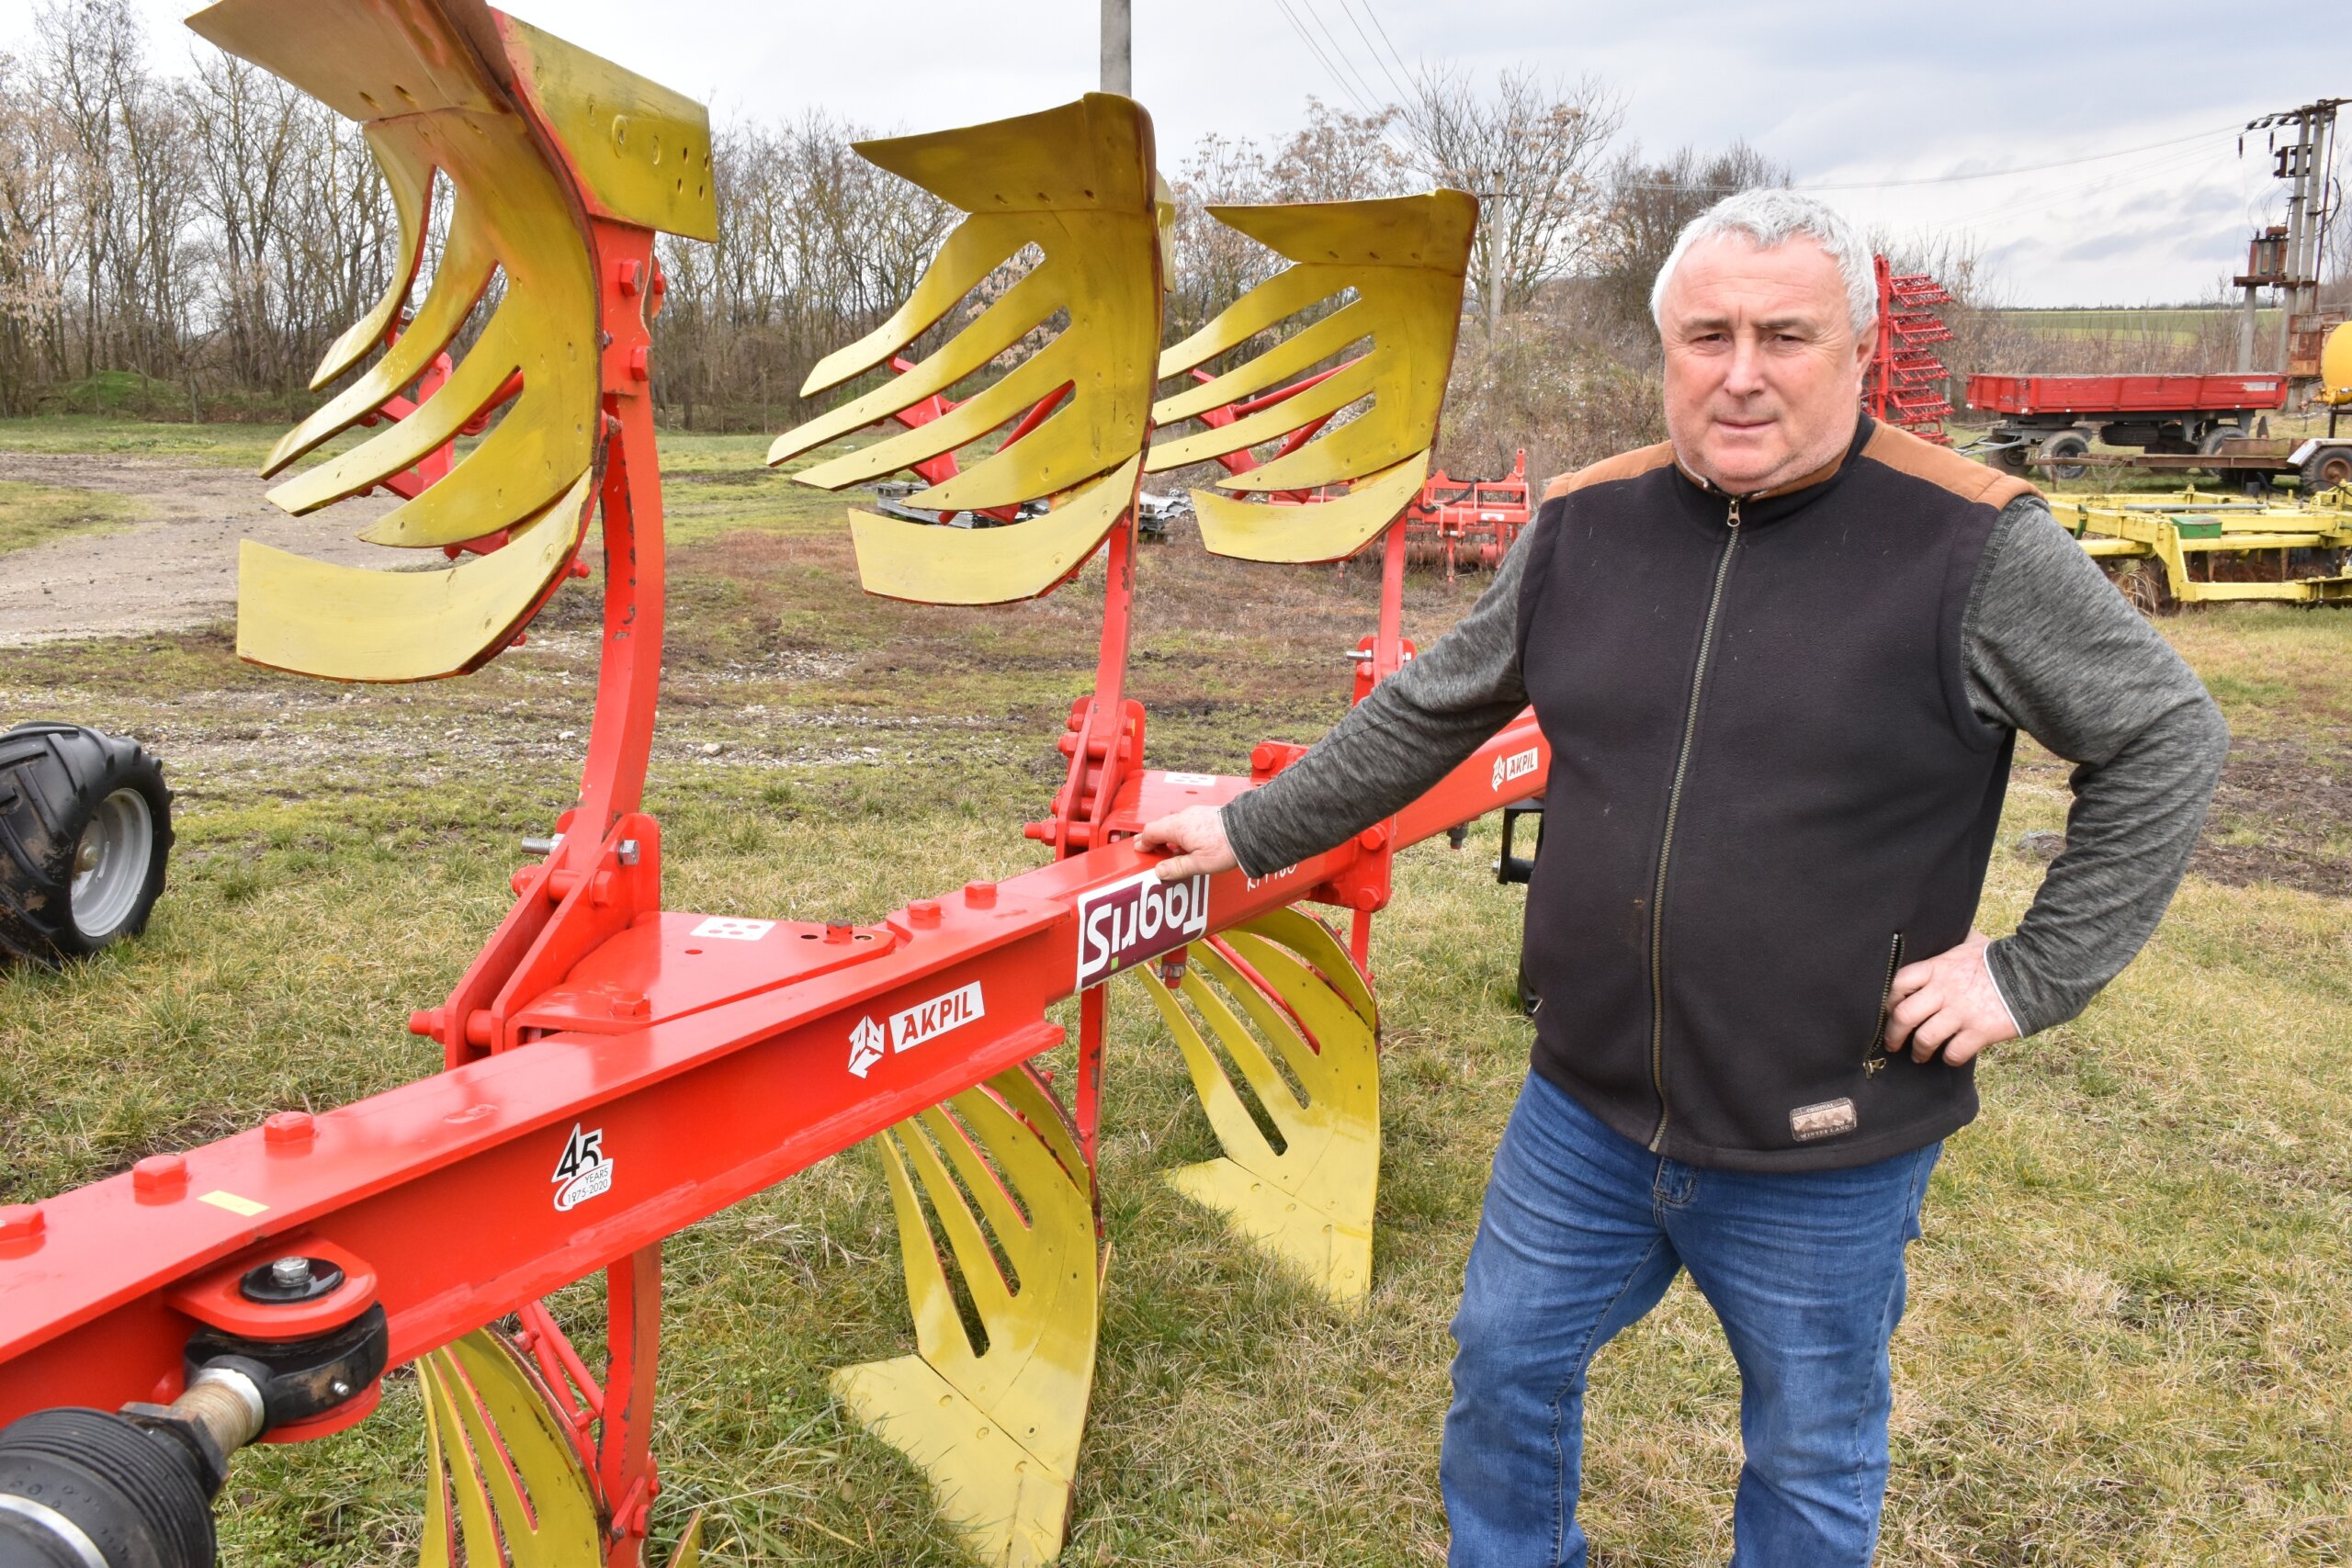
(1583, 1231)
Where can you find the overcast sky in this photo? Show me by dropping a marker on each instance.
(2139, 106)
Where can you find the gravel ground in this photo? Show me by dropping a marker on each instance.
(174, 572)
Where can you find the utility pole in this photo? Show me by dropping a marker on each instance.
(1493, 213)
(2294, 265)
(1118, 47)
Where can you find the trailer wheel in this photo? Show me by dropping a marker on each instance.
(2063, 445)
(2010, 460)
(2210, 445)
(2326, 469)
(86, 831)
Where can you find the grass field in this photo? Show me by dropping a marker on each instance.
(35, 514)
(2185, 324)
(2127, 1342)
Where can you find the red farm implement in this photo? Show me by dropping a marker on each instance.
(1904, 385)
(1475, 520)
(615, 1070)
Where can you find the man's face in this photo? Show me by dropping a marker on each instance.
(1763, 366)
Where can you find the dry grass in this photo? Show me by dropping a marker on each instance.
(2127, 1343)
(36, 514)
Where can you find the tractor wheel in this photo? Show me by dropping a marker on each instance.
(2065, 443)
(85, 828)
(2326, 469)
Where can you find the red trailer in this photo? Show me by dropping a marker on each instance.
(2055, 417)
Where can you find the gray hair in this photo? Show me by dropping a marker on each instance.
(1770, 217)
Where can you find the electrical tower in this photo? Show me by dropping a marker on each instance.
(2288, 257)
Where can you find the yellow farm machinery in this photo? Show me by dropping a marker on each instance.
(2184, 547)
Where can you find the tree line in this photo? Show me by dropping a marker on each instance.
(189, 242)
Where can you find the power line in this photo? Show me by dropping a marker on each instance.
(2027, 169)
(1309, 40)
(1385, 38)
(1339, 53)
(1950, 179)
(1402, 92)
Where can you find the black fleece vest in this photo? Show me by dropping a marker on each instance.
(1768, 791)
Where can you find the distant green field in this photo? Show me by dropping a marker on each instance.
(2179, 324)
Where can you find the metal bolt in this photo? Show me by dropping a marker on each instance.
(628, 851)
(291, 1273)
(341, 1389)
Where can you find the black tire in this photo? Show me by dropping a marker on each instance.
(2210, 445)
(2065, 443)
(2326, 469)
(2010, 460)
(1528, 1000)
(86, 833)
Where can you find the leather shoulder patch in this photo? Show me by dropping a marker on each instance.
(1624, 466)
(1946, 470)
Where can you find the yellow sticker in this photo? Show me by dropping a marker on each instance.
(233, 1203)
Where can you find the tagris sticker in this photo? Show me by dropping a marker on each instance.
(585, 1171)
(1139, 917)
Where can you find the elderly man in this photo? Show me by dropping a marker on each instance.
(1781, 660)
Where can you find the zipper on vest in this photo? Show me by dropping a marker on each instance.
(1666, 845)
(1875, 1057)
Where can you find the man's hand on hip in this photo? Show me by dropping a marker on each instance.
(1948, 1003)
(1196, 834)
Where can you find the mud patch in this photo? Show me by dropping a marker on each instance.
(2283, 816)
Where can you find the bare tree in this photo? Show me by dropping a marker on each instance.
(1537, 142)
(1337, 156)
(35, 241)
(1648, 205)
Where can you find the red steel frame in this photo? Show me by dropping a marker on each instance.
(713, 1068)
(1903, 386)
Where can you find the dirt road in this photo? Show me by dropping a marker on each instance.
(177, 568)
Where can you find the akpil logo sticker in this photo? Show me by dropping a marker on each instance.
(585, 1171)
(911, 1027)
(1137, 919)
(929, 1021)
(1518, 765)
(864, 1047)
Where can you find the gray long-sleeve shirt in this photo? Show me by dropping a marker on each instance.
(2052, 649)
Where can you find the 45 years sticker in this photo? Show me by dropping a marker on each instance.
(585, 1170)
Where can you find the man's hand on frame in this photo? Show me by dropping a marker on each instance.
(1196, 834)
(1948, 1003)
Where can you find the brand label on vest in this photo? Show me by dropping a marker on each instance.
(1827, 1120)
(1137, 919)
(1518, 765)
